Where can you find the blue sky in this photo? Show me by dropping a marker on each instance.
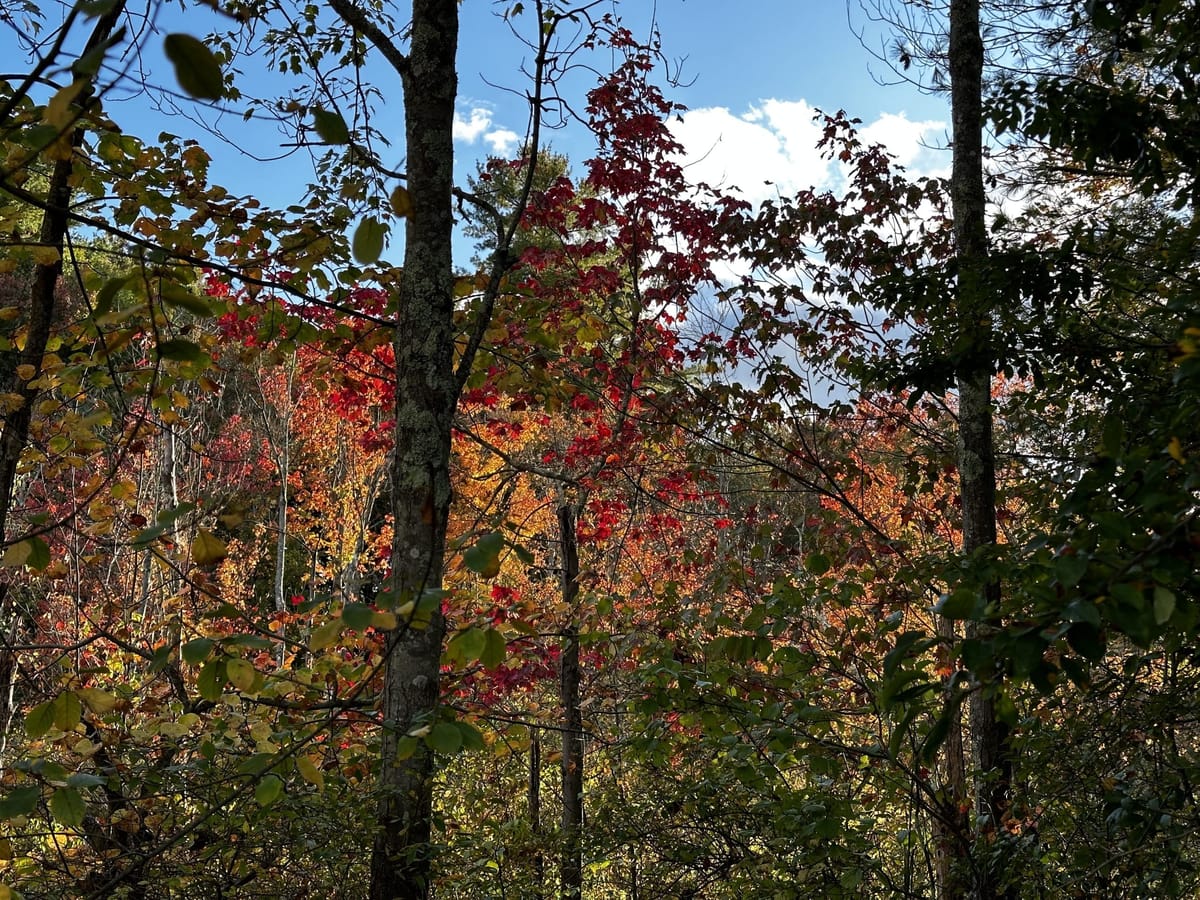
(753, 73)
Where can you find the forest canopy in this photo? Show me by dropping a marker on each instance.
(677, 545)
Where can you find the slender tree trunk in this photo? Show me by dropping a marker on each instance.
(571, 864)
(950, 824)
(426, 392)
(14, 432)
(976, 452)
(535, 812)
(42, 305)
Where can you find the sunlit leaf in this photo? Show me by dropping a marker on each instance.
(68, 711)
(240, 674)
(310, 771)
(98, 701)
(401, 202)
(369, 238)
(207, 548)
(325, 635)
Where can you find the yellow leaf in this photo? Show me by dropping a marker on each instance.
(401, 202)
(97, 701)
(384, 621)
(208, 549)
(232, 515)
(17, 555)
(307, 767)
(325, 635)
(26, 371)
(44, 256)
(58, 110)
(240, 674)
(1176, 450)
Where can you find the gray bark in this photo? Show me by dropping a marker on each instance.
(976, 452)
(426, 393)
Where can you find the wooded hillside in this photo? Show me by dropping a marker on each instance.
(842, 545)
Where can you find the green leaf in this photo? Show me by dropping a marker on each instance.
(256, 764)
(98, 701)
(68, 711)
(196, 68)
(240, 674)
(331, 127)
(1070, 569)
(20, 802)
(961, 604)
(369, 238)
(108, 294)
(936, 736)
(494, 650)
(268, 790)
(176, 295)
(84, 779)
(67, 807)
(1082, 611)
(211, 680)
(904, 644)
(32, 552)
(1086, 640)
(445, 737)
(197, 651)
(1164, 605)
(357, 616)
(181, 350)
(325, 635)
(472, 739)
(817, 564)
(1113, 437)
(468, 645)
(484, 557)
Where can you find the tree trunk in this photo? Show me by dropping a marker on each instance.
(950, 824)
(535, 812)
(571, 864)
(420, 469)
(976, 453)
(14, 433)
(42, 305)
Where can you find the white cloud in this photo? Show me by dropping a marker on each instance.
(772, 148)
(502, 141)
(914, 144)
(468, 130)
(478, 124)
